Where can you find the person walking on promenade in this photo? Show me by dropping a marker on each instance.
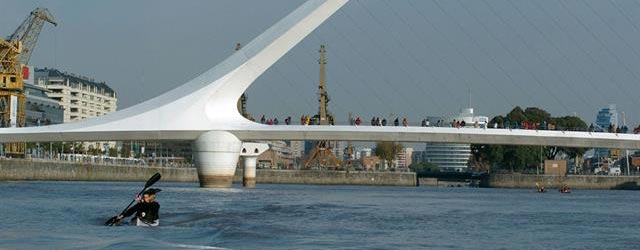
(384, 122)
(358, 121)
(405, 122)
(396, 122)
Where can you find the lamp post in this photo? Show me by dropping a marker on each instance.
(38, 143)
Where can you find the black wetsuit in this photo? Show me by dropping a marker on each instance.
(146, 212)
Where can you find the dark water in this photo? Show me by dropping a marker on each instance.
(69, 215)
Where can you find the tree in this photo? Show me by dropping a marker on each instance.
(536, 115)
(424, 167)
(125, 152)
(568, 123)
(113, 152)
(92, 150)
(516, 115)
(517, 158)
(387, 151)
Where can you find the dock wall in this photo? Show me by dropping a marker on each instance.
(21, 170)
(555, 182)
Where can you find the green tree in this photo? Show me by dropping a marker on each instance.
(92, 150)
(424, 167)
(517, 158)
(125, 152)
(113, 152)
(516, 115)
(387, 151)
(570, 123)
(537, 115)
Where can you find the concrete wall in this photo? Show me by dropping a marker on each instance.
(334, 177)
(58, 171)
(33, 170)
(555, 182)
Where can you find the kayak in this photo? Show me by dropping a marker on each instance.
(141, 223)
(136, 222)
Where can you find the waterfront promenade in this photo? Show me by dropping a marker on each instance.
(26, 170)
(21, 170)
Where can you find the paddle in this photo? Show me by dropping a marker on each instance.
(150, 182)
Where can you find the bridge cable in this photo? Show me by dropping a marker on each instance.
(492, 57)
(533, 76)
(612, 29)
(437, 105)
(591, 58)
(426, 43)
(383, 78)
(626, 67)
(331, 78)
(375, 69)
(558, 50)
(531, 48)
(564, 55)
(429, 47)
(459, 52)
(349, 68)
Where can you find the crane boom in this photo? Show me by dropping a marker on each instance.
(14, 54)
(29, 30)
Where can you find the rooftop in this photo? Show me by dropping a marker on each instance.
(76, 78)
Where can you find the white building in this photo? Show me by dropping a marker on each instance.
(362, 152)
(453, 157)
(403, 158)
(80, 96)
(297, 148)
(338, 149)
(448, 156)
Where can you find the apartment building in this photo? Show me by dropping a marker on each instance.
(80, 96)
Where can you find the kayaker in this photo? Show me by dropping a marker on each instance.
(146, 210)
(540, 188)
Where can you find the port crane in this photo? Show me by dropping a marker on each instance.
(322, 154)
(15, 52)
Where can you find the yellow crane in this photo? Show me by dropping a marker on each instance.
(15, 52)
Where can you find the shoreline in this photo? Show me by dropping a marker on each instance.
(25, 170)
(28, 170)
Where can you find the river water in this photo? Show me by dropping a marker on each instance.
(69, 215)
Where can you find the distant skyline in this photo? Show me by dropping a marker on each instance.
(401, 58)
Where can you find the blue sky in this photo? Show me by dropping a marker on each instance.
(386, 58)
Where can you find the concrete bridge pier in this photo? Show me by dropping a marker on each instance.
(250, 152)
(216, 156)
(249, 177)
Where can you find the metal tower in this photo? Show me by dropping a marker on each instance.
(322, 154)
